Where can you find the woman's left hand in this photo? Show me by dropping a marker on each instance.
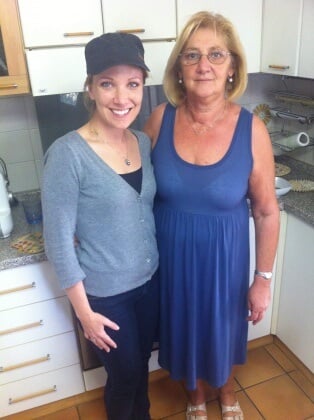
(258, 300)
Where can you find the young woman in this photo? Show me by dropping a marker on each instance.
(98, 191)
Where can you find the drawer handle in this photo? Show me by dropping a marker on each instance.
(131, 31)
(22, 327)
(9, 86)
(70, 34)
(277, 67)
(18, 289)
(32, 395)
(24, 364)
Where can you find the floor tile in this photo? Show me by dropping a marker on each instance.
(302, 381)
(281, 399)
(92, 410)
(66, 414)
(259, 367)
(280, 358)
(167, 398)
(249, 410)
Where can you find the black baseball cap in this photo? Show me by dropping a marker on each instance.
(113, 49)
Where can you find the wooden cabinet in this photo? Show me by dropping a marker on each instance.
(296, 309)
(39, 359)
(13, 72)
(246, 15)
(287, 38)
(49, 23)
(149, 20)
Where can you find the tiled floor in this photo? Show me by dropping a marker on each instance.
(270, 386)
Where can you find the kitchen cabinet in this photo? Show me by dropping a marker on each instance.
(39, 357)
(296, 309)
(287, 38)
(148, 20)
(13, 71)
(56, 70)
(306, 62)
(246, 15)
(47, 23)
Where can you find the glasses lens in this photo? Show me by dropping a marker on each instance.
(193, 57)
(190, 58)
(217, 57)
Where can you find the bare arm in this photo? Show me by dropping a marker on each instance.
(152, 125)
(265, 213)
(93, 323)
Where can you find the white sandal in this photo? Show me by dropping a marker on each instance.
(235, 408)
(191, 410)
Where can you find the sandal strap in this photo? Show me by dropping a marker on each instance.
(192, 409)
(235, 408)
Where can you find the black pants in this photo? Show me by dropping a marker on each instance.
(136, 312)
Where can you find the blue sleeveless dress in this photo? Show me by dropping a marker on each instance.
(202, 222)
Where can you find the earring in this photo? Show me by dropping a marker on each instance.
(180, 81)
(230, 79)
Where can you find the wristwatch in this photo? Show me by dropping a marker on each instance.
(267, 275)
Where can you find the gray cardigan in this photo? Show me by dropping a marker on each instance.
(83, 197)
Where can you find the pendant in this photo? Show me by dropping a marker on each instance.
(127, 161)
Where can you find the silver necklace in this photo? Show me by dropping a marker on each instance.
(126, 159)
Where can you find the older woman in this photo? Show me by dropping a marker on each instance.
(210, 155)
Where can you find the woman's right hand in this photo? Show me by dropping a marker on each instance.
(95, 326)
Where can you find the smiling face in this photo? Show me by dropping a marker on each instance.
(118, 93)
(204, 78)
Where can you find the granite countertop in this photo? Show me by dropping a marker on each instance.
(11, 257)
(300, 204)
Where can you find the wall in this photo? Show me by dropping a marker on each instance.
(20, 142)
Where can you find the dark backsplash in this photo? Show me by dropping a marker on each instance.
(59, 114)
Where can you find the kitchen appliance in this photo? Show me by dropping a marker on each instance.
(3, 167)
(6, 221)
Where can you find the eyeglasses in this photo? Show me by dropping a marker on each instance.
(214, 57)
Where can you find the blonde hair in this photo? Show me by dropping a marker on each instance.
(174, 91)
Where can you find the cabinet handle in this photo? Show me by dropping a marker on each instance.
(131, 31)
(22, 327)
(278, 67)
(9, 86)
(32, 395)
(69, 34)
(18, 289)
(24, 364)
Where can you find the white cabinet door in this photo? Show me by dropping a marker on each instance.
(156, 57)
(56, 70)
(246, 15)
(40, 389)
(38, 357)
(306, 62)
(281, 36)
(296, 309)
(28, 284)
(34, 322)
(147, 19)
(58, 22)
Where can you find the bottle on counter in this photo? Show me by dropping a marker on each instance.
(6, 221)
